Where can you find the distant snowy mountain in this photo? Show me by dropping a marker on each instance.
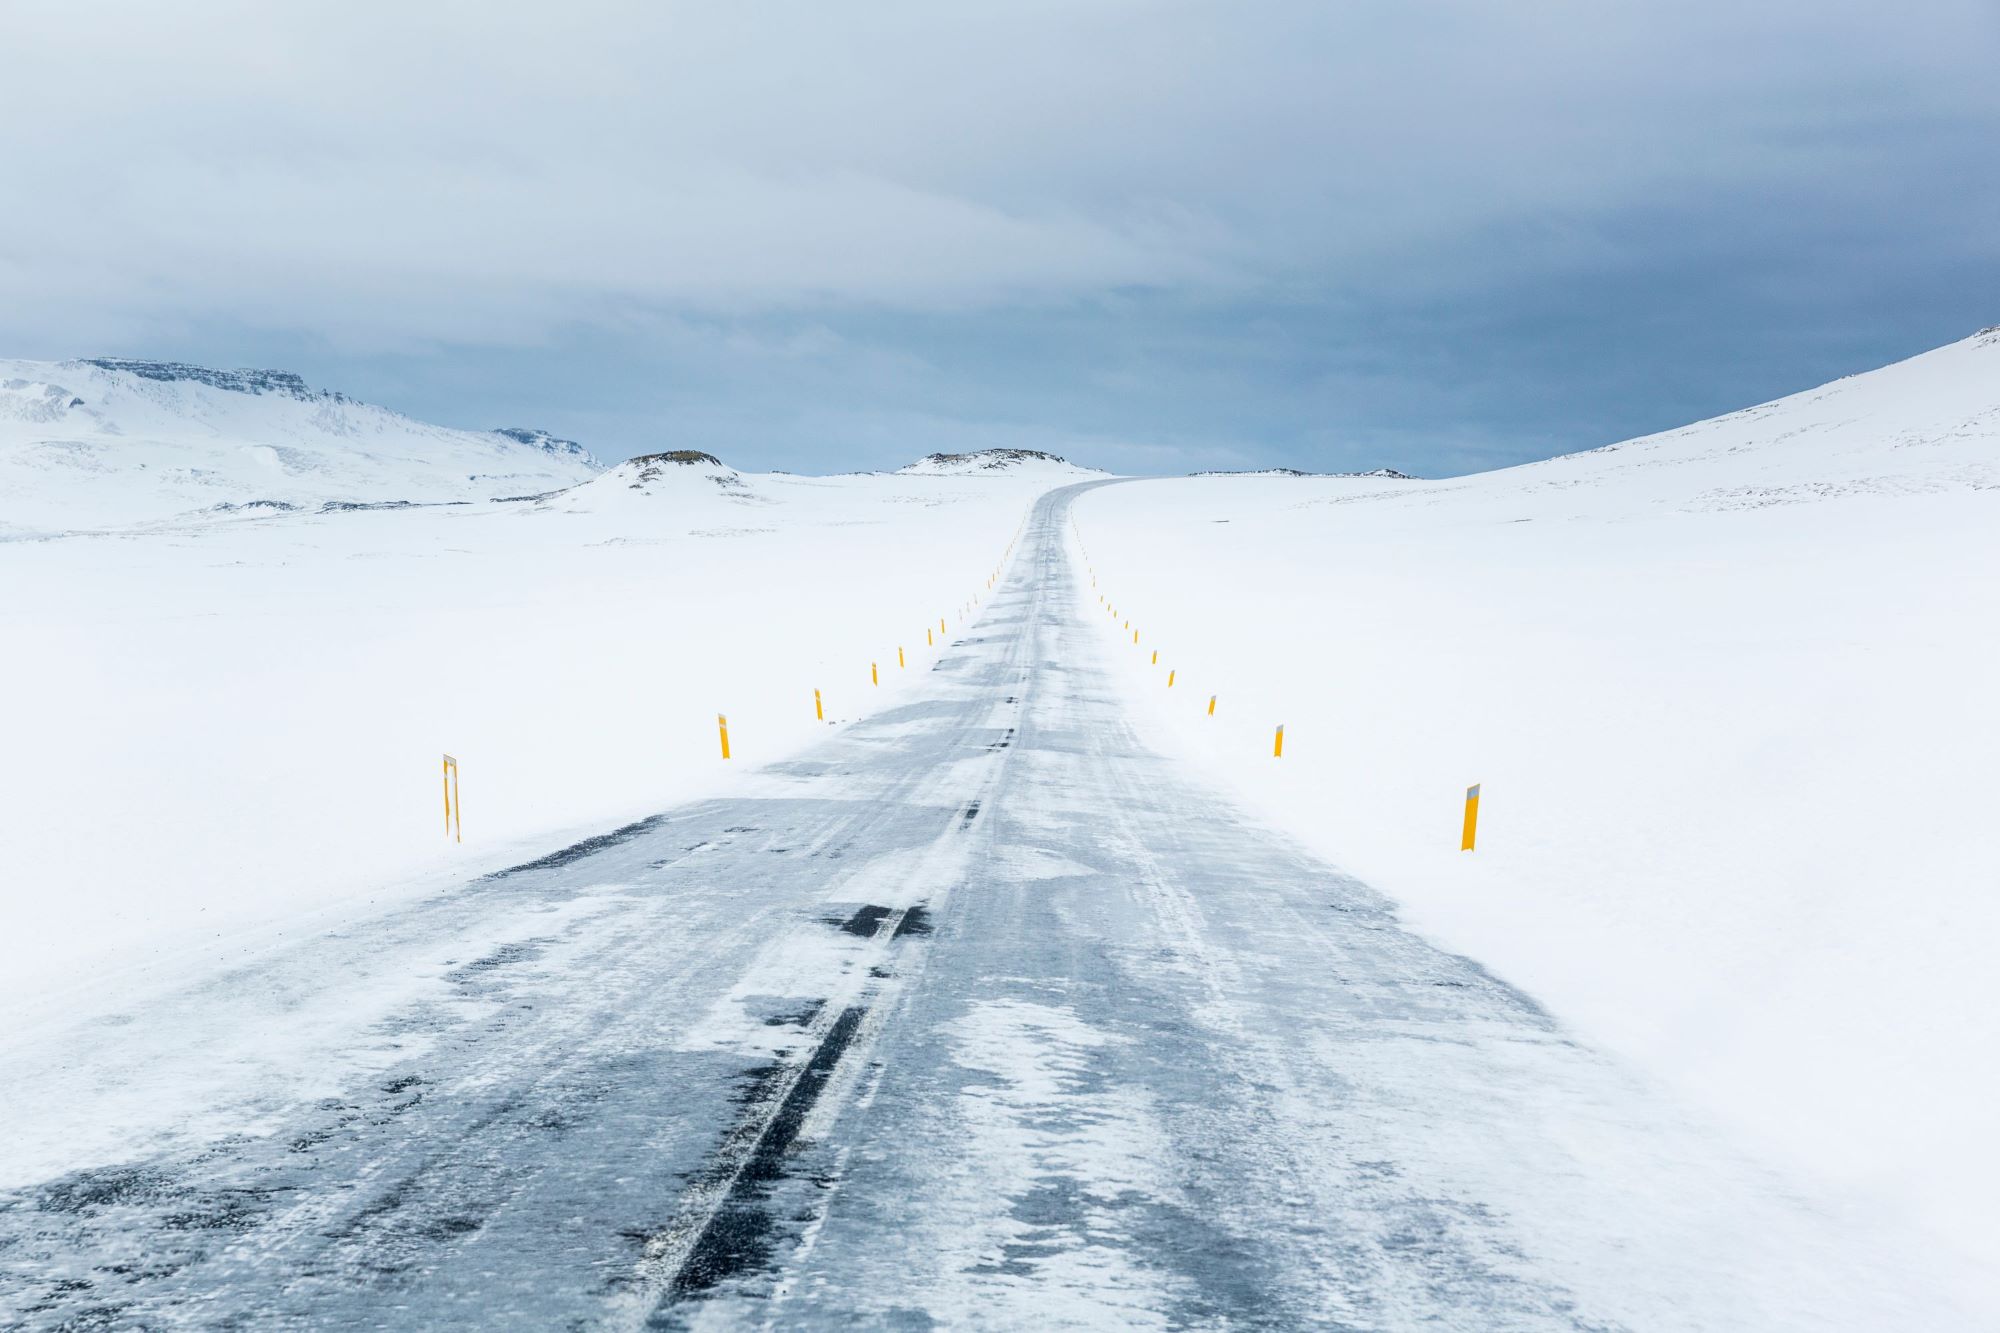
(108, 442)
(994, 460)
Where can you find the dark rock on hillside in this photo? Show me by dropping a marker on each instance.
(684, 457)
(234, 381)
(549, 444)
(990, 458)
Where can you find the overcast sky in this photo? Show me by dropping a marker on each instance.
(1440, 236)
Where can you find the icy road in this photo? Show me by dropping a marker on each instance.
(979, 1014)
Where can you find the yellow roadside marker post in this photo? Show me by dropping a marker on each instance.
(929, 642)
(874, 674)
(819, 709)
(452, 814)
(1156, 657)
(722, 727)
(1211, 705)
(1278, 745)
(900, 663)
(1471, 817)
(940, 625)
(1170, 680)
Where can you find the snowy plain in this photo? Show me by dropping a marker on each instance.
(230, 724)
(979, 1013)
(1728, 694)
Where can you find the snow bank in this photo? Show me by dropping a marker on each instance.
(104, 444)
(1728, 691)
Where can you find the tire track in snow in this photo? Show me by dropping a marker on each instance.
(725, 1229)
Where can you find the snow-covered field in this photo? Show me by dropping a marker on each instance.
(1726, 691)
(1729, 694)
(223, 721)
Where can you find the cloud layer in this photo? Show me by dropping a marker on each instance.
(1176, 231)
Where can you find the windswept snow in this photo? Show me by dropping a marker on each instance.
(1728, 693)
(109, 443)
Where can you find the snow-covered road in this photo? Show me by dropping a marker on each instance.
(979, 1014)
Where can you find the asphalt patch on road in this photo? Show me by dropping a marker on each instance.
(588, 847)
(482, 969)
(864, 923)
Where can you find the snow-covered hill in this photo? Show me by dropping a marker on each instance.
(1031, 462)
(687, 477)
(1727, 693)
(107, 443)
(1927, 425)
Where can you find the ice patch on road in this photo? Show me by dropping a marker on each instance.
(1034, 1223)
(1037, 863)
(804, 967)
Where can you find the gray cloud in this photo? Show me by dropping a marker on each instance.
(1449, 232)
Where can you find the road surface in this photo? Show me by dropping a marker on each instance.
(979, 1014)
